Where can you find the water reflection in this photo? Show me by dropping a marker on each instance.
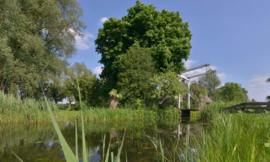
(40, 142)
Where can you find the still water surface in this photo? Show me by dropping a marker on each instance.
(39, 143)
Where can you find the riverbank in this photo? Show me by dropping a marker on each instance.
(15, 111)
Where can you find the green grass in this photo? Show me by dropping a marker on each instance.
(69, 114)
(226, 138)
(236, 137)
(15, 111)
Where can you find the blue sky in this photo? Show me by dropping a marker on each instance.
(232, 35)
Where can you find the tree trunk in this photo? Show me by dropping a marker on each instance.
(113, 103)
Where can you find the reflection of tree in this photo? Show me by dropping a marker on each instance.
(113, 133)
(30, 143)
(137, 147)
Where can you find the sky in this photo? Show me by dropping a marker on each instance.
(233, 36)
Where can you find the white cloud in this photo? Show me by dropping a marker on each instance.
(188, 63)
(83, 43)
(258, 88)
(221, 75)
(98, 70)
(103, 19)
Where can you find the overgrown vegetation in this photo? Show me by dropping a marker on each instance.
(14, 111)
(234, 137)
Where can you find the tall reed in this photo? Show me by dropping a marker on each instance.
(13, 110)
(236, 137)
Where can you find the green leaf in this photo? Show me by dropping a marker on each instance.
(17, 157)
(69, 156)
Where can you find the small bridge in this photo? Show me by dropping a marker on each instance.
(248, 106)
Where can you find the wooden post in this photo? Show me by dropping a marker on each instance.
(244, 106)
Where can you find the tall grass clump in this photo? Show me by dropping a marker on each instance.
(236, 137)
(105, 114)
(213, 108)
(13, 110)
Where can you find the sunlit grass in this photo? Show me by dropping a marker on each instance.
(15, 111)
(236, 137)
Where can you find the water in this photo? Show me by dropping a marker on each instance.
(39, 143)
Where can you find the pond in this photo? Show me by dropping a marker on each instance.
(39, 143)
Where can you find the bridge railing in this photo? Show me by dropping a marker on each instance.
(248, 105)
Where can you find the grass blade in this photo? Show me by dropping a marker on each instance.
(17, 157)
(112, 158)
(76, 140)
(120, 149)
(108, 151)
(69, 156)
(103, 150)
(83, 135)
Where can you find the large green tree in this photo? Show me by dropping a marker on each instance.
(233, 92)
(211, 82)
(36, 38)
(167, 36)
(136, 71)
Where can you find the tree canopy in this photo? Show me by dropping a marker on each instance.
(198, 91)
(211, 82)
(233, 92)
(168, 84)
(164, 33)
(136, 71)
(36, 38)
(89, 84)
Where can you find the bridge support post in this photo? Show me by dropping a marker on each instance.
(179, 104)
(244, 106)
(188, 95)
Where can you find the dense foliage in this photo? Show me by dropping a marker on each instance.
(136, 71)
(211, 82)
(198, 91)
(233, 92)
(90, 85)
(35, 39)
(163, 32)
